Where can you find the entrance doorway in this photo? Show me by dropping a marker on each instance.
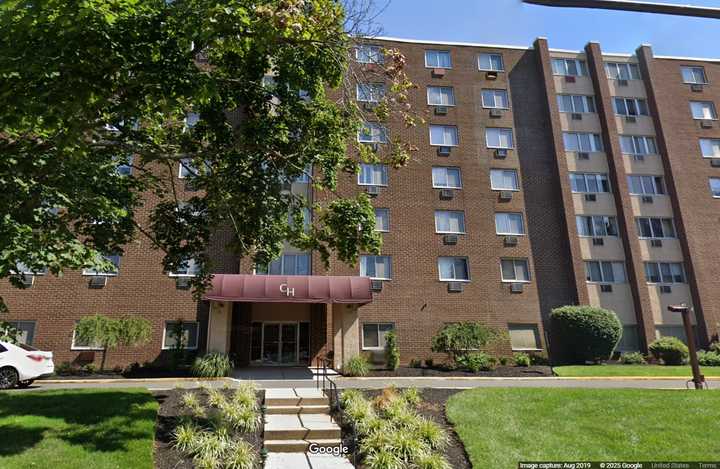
(280, 343)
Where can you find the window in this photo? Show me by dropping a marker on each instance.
(605, 271)
(114, 259)
(646, 185)
(509, 224)
(499, 138)
(376, 267)
(373, 175)
(514, 270)
(650, 227)
(382, 219)
(630, 341)
(524, 336)
(370, 92)
(664, 272)
(22, 269)
(188, 268)
(304, 178)
(703, 110)
(369, 54)
(453, 269)
(287, 264)
(372, 133)
(638, 145)
(79, 344)
(373, 337)
(191, 120)
(630, 107)
(444, 177)
(25, 331)
(440, 96)
(693, 75)
(495, 99)
(715, 187)
(710, 147)
(124, 167)
(589, 182)
(447, 221)
(596, 226)
(569, 67)
(582, 141)
(622, 71)
(443, 135)
(575, 103)
(187, 332)
(504, 180)
(187, 169)
(437, 59)
(491, 62)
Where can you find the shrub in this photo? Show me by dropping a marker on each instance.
(64, 368)
(458, 339)
(245, 395)
(433, 434)
(670, 350)
(112, 333)
(476, 361)
(185, 437)
(239, 417)
(432, 461)
(429, 362)
(383, 459)
(356, 366)
(392, 354)
(715, 347)
(349, 395)
(212, 365)
(216, 398)
(521, 359)
(191, 402)
(241, 455)
(503, 361)
(632, 358)
(708, 358)
(411, 396)
(584, 333)
(89, 368)
(415, 363)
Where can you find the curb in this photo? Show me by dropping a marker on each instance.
(537, 378)
(123, 380)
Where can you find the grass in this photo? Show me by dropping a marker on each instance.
(633, 370)
(93, 428)
(500, 427)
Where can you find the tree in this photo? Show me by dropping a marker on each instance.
(243, 95)
(111, 333)
(581, 334)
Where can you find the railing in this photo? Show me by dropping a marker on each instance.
(329, 388)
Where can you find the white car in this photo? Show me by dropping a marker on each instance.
(21, 364)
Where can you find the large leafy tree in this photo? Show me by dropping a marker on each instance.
(244, 94)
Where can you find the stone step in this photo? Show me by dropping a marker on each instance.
(300, 427)
(306, 461)
(299, 409)
(295, 397)
(299, 445)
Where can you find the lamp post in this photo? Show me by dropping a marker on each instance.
(698, 379)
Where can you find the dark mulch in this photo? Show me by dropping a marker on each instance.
(110, 374)
(501, 371)
(167, 457)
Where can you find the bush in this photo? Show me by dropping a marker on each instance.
(64, 368)
(632, 358)
(584, 333)
(356, 366)
(429, 362)
(670, 350)
(476, 361)
(708, 358)
(89, 368)
(459, 338)
(212, 365)
(392, 354)
(521, 359)
(415, 363)
(715, 347)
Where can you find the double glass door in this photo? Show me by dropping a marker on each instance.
(280, 343)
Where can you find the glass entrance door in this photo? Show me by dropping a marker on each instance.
(280, 343)
(271, 344)
(289, 342)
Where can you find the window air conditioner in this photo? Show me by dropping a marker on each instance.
(639, 157)
(598, 242)
(622, 82)
(98, 281)
(569, 79)
(697, 87)
(182, 283)
(376, 285)
(443, 151)
(495, 112)
(438, 72)
(450, 239)
(516, 288)
(647, 199)
(605, 288)
(576, 116)
(372, 191)
(501, 152)
(441, 110)
(454, 287)
(583, 155)
(590, 197)
(630, 119)
(656, 243)
(510, 241)
(446, 194)
(491, 75)
(505, 196)
(665, 289)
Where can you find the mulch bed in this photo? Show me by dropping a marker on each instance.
(109, 374)
(501, 371)
(167, 457)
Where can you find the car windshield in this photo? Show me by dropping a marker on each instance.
(26, 347)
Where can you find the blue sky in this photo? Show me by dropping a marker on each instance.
(511, 22)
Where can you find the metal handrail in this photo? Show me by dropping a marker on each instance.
(329, 388)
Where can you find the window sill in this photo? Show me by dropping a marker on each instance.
(495, 189)
(501, 148)
(441, 145)
(86, 349)
(380, 279)
(84, 274)
(511, 234)
(441, 105)
(488, 70)
(526, 349)
(454, 280)
(184, 348)
(450, 188)
(372, 185)
(496, 107)
(182, 275)
(430, 67)
(450, 232)
(516, 281)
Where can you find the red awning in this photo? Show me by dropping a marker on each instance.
(289, 289)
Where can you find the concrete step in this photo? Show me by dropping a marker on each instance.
(299, 445)
(300, 427)
(306, 461)
(295, 397)
(299, 409)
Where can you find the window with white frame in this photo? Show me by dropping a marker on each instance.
(79, 343)
(693, 75)
(498, 138)
(665, 272)
(382, 219)
(186, 332)
(443, 135)
(715, 187)
(514, 270)
(187, 169)
(376, 267)
(589, 182)
(509, 224)
(495, 99)
(438, 59)
(605, 271)
(504, 180)
(369, 54)
(582, 141)
(646, 185)
(373, 175)
(24, 331)
(453, 269)
(286, 264)
(124, 167)
(596, 226)
(630, 106)
(370, 92)
(524, 336)
(372, 132)
(622, 71)
(638, 145)
(449, 221)
(114, 259)
(373, 336)
(576, 103)
(446, 177)
(569, 67)
(440, 96)
(490, 62)
(655, 227)
(710, 147)
(703, 110)
(187, 268)
(22, 269)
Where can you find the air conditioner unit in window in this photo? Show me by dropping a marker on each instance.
(506, 196)
(656, 243)
(598, 242)
(491, 75)
(455, 287)
(450, 239)
(27, 280)
(630, 119)
(438, 72)
(696, 88)
(569, 79)
(665, 289)
(605, 288)
(583, 155)
(639, 157)
(647, 199)
(441, 110)
(715, 162)
(590, 197)
(706, 124)
(372, 191)
(510, 241)
(182, 283)
(446, 194)
(376, 285)
(622, 82)
(516, 287)
(495, 112)
(443, 151)
(501, 152)
(98, 281)
(576, 116)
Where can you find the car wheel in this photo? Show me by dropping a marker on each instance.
(25, 384)
(8, 377)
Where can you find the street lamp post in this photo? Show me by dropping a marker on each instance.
(698, 379)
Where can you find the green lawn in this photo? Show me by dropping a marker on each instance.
(78, 428)
(503, 426)
(633, 370)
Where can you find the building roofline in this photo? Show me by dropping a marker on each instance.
(449, 43)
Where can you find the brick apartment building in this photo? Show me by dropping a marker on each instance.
(544, 177)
